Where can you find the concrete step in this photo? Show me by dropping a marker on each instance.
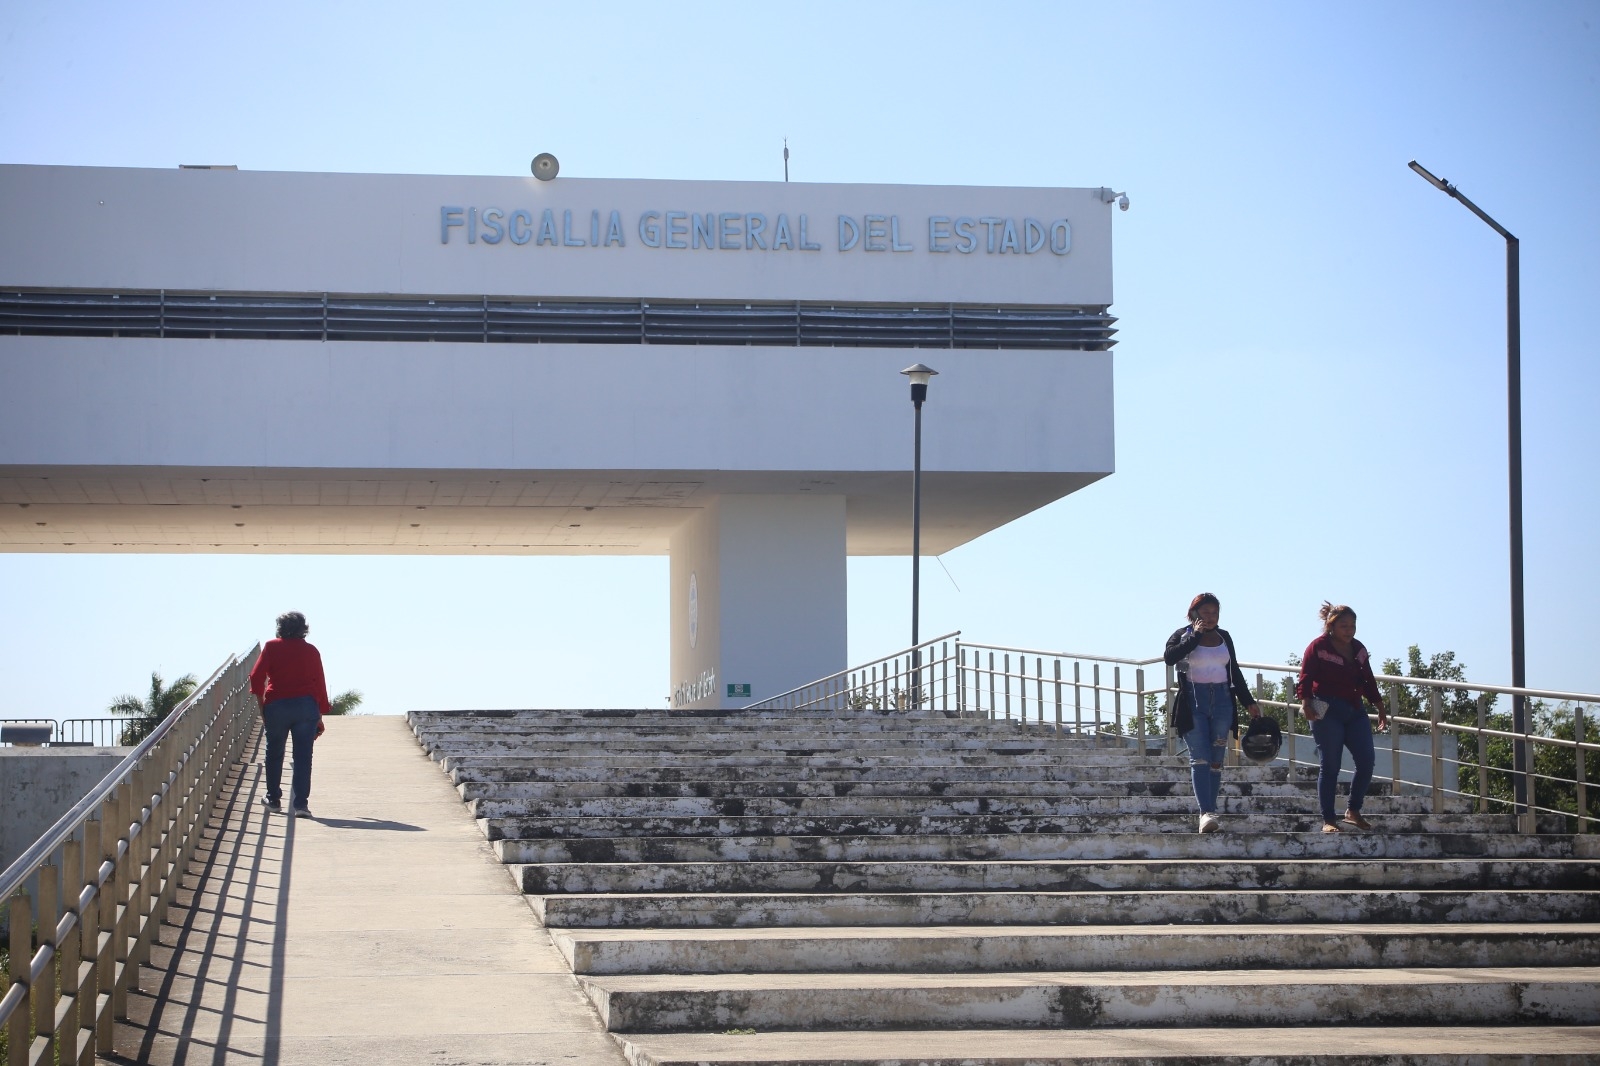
(1121, 822)
(1272, 846)
(715, 789)
(844, 949)
(1089, 999)
(1188, 907)
(898, 808)
(1060, 876)
(1426, 1045)
(854, 757)
(934, 774)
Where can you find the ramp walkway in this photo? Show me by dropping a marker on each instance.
(383, 930)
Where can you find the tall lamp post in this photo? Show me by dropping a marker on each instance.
(1519, 677)
(919, 376)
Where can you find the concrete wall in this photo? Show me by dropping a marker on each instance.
(39, 785)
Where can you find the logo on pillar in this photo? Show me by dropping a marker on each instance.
(694, 610)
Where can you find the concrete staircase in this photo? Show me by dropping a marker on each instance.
(864, 888)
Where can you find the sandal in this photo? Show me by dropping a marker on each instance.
(1329, 827)
(1355, 819)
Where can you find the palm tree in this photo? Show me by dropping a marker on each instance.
(345, 702)
(145, 715)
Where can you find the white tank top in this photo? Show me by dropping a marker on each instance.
(1209, 666)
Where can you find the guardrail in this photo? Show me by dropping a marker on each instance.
(69, 732)
(1105, 694)
(108, 870)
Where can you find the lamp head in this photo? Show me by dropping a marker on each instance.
(1437, 183)
(919, 376)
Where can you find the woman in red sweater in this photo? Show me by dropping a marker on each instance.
(1335, 674)
(288, 683)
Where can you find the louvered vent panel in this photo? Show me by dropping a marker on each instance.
(270, 317)
(315, 316)
(566, 322)
(1014, 327)
(720, 323)
(383, 319)
(81, 314)
(875, 327)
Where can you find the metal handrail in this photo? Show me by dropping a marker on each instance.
(123, 850)
(868, 685)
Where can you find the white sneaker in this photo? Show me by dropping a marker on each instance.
(1209, 823)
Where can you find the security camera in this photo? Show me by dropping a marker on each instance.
(545, 166)
(1122, 201)
(1109, 196)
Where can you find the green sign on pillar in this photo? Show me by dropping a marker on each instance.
(738, 690)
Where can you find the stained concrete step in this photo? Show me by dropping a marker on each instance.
(1427, 1045)
(463, 769)
(1045, 846)
(1061, 876)
(854, 757)
(898, 808)
(845, 949)
(956, 826)
(710, 788)
(1090, 999)
(1195, 906)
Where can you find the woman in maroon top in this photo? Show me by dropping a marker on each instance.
(1335, 674)
(288, 683)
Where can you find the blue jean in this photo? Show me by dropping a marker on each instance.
(1343, 727)
(1207, 742)
(296, 717)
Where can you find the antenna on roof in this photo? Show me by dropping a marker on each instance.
(786, 159)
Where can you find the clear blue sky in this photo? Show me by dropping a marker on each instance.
(1310, 375)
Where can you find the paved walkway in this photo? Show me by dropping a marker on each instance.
(381, 931)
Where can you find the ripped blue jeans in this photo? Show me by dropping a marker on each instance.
(1208, 742)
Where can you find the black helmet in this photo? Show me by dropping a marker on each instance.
(1262, 740)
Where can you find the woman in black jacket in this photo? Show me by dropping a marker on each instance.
(1210, 688)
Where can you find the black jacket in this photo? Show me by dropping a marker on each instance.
(1179, 645)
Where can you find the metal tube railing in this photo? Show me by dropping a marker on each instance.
(108, 870)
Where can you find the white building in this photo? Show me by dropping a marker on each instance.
(226, 361)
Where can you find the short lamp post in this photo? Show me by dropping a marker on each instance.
(919, 376)
(1519, 673)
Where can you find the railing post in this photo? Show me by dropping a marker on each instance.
(1168, 674)
(1483, 753)
(1138, 707)
(1116, 698)
(1577, 767)
(21, 948)
(1038, 685)
(1435, 735)
(1007, 683)
(89, 943)
(66, 1022)
(1077, 696)
(1058, 697)
(1096, 679)
(47, 993)
(961, 680)
(1394, 738)
(994, 709)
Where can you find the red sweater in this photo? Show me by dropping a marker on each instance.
(1326, 673)
(289, 668)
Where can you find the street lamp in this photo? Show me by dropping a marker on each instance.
(1519, 678)
(919, 376)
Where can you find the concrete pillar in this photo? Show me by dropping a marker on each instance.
(758, 597)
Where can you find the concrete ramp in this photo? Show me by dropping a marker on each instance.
(383, 930)
(786, 888)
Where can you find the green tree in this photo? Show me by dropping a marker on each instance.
(144, 715)
(345, 702)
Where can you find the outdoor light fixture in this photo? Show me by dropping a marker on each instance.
(545, 166)
(919, 375)
(1519, 673)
